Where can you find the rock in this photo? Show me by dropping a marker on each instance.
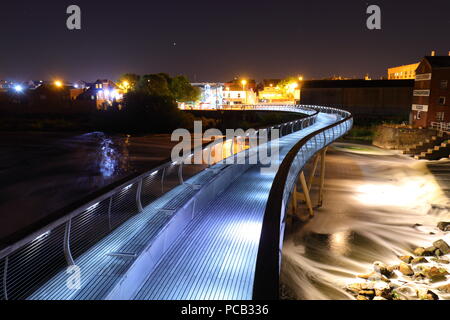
(441, 260)
(432, 296)
(362, 298)
(435, 274)
(359, 286)
(444, 225)
(406, 259)
(419, 251)
(369, 293)
(383, 269)
(419, 260)
(379, 298)
(445, 288)
(406, 269)
(385, 293)
(429, 251)
(442, 246)
(437, 253)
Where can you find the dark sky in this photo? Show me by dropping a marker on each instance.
(216, 40)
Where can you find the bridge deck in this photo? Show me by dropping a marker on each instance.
(215, 257)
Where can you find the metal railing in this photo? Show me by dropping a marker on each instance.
(267, 272)
(440, 126)
(27, 261)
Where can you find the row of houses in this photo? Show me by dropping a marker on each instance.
(101, 93)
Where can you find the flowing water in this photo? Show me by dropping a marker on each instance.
(43, 172)
(378, 206)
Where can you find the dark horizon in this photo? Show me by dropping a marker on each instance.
(212, 41)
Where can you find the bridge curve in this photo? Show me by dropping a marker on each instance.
(216, 235)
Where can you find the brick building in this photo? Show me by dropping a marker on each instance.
(431, 96)
(367, 100)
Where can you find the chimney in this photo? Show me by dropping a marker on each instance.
(433, 53)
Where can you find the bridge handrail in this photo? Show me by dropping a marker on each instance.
(267, 272)
(60, 244)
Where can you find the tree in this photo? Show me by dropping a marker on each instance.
(287, 86)
(182, 90)
(155, 84)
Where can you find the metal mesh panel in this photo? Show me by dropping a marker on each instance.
(151, 188)
(123, 205)
(2, 272)
(34, 264)
(171, 179)
(89, 227)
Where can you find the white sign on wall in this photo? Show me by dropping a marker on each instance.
(421, 93)
(423, 77)
(420, 107)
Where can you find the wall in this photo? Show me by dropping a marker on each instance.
(389, 137)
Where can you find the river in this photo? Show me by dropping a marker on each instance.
(43, 172)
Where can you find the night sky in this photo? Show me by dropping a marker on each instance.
(217, 40)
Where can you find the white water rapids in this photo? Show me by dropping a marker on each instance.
(378, 206)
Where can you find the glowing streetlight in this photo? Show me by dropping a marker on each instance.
(58, 83)
(243, 82)
(18, 88)
(300, 78)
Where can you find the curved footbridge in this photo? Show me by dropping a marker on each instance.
(180, 231)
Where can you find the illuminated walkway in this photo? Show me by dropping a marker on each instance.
(215, 257)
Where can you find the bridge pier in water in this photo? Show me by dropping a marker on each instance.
(304, 193)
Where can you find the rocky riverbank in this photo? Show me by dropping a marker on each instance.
(422, 275)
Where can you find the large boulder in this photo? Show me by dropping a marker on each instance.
(406, 259)
(406, 269)
(419, 260)
(419, 251)
(444, 226)
(442, 246)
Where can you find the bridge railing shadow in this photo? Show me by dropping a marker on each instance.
(267, 272)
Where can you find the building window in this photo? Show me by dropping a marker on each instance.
(444, 84)
(442, 101)
(239, 95)
(439, 116)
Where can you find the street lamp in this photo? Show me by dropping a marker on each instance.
(58, 83)
(244, 82)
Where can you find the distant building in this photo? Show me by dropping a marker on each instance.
(368, 100)
(238, 92)
(271, 92)
(211, 95)
(403, 72)
(103, 92)
(431, 96)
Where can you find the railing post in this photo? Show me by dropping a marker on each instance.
(162, 180)
(67, 252)
(138, 196)
(180, 173)
(109, 212)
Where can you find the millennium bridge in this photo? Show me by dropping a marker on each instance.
(180, 231)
